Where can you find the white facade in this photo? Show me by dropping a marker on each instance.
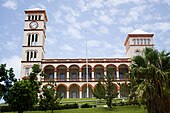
(69, 75)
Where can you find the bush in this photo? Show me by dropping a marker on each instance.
(6, 109)
(86, 106)
(68, 106)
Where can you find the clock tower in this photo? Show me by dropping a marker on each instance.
(34, 39)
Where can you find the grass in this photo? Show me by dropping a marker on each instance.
(91, 101)
(117, 109)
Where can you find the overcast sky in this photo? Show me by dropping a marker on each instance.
(105, 24)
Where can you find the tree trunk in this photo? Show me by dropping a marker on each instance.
(158, 105)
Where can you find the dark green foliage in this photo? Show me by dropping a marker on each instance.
(20, 96)
(50, 99)
(106, 89)
(86, 106)
(150, 79)
(99, 91)
(69, 106)
(24, 94)
(6, 80)
(6, 109)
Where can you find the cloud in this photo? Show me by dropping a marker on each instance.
(93, 43)
(103, 29)
(58, 17)
(105, 19)
(126, 30)
(66, 47)
(160, 26)
(74, 33)
(133, 14)
(12, 44)
(13, 62)
(51, 41)
(10, 4)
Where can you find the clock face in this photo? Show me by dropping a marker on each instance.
(33, 25)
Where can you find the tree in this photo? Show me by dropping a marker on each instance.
(50, 99)
(149, 77)
(124, 90)
(24, 94)
(105, 89)
(20, 96)
(7, 79)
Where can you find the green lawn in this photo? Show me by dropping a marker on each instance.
(118, 109)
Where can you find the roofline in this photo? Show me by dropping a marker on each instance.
(137, 35)
(37, 11)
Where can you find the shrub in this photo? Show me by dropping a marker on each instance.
(86, 106)
(6, 109)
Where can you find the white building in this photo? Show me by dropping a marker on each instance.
(69, 75)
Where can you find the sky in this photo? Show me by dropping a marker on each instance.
(104, 23)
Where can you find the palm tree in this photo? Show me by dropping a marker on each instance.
(149, 76)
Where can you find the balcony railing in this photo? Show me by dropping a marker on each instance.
(80, 79)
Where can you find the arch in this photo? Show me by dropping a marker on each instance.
(123, 69)
(49, 71)
(61, 72)
(74, 90)
(62, 89)
(74, 65)
(48, 66)
(98, 65)
(84, 90)
(111, 69)
(61, 66)
(74, 84)
(74, 72)
(98, 71)
(83, 69)
(88, 85)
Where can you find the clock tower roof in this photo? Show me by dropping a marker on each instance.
(37, 10)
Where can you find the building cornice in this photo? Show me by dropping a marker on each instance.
(91, 60)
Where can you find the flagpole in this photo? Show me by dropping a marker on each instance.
(87, 74)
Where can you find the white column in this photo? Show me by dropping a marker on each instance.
(105, 73)
(80, 94)
(67, 76)
(92, 75)
(55, 75)
(119, 94)
(67, 94)
(80, 75)
(117, 74)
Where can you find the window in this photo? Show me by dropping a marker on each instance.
(134, 40)
(98, 75)
(138, 41)
(62, 76)
(32, 39)
(32, 17)
(27, 71)
(35, 17)
(73, 76)
(28, 56)
(141, 41)
(29, 39)
(39, 17)
(145, 41)
(149, 41)
(74, 95)
(29, 17)
(31, 56)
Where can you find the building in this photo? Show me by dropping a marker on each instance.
(69, 75)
